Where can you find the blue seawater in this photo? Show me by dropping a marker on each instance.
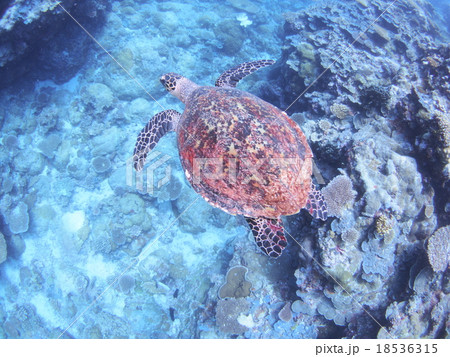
(90, 249)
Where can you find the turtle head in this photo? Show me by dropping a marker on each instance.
(177, 85)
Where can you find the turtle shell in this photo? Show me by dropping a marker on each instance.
(243, 154)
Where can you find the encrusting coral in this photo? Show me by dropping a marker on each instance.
(236, 286)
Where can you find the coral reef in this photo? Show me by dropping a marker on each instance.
(397, 69)
(424, 315)
(393, 197)
(58, 52)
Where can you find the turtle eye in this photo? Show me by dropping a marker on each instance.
(166, 82)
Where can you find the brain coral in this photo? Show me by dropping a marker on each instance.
(339, 194)
(439, 249)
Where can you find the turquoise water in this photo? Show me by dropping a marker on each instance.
(89, 249)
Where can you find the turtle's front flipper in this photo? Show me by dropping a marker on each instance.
(149, 136)
(269, 235)
(316, 205)
(231, 77)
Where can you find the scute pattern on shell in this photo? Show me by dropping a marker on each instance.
(244, 155)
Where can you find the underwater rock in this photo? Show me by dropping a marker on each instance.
(7, 185)
(18, 219)
(236, 286)
(11, 142)
(227, 313)
(77, 169)
(107, 142)
(192, 222)
(16, 246)
(98, 97)
(126, 283)
(3, 251)
(117, 180)
(137, 109)
(48, 119)
(438, 249)
(49, 145)
(29, 162)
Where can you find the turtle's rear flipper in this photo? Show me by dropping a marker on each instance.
(231, 77)
(316, 205)
(149, 136)
(269, 235)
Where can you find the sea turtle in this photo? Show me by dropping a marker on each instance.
(242, 154)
